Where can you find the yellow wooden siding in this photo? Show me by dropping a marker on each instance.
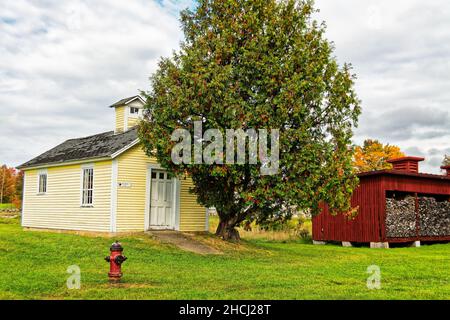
(131, 201)
(120, 119)
(132, 169)
(192, 214)
(60, 207)
(132, 122)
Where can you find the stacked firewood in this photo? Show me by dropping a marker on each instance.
(434, 217)
(401, 217)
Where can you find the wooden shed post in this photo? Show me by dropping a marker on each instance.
(379, 245)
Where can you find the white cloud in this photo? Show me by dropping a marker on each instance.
(64, 62)
(400, 51)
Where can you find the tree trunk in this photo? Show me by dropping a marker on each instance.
(227, 230)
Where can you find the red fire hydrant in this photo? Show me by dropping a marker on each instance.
(115, 262)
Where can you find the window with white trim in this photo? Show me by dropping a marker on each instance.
(87, 191)
(134, 111)
(42, 184)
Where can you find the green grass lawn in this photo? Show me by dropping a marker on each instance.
(34, 266)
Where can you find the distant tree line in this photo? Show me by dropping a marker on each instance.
(11, 185)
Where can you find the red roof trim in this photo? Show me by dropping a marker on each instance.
(404, 173)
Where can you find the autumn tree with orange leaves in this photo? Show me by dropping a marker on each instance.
(10, 185)
(373, 155)
(446, 161)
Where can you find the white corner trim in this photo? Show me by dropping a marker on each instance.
(114, 181)
(147, 200)
(23, 197)
(125, 118)
(174, 203)
(131, 145)
(207, 220)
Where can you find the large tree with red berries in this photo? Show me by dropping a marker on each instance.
(262, 64)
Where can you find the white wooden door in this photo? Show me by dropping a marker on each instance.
(161, 213)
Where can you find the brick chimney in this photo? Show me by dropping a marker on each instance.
(407, 164)
(447, 169)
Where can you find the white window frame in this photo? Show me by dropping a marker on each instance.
(134, 115)
(82, 190)
(43, 172)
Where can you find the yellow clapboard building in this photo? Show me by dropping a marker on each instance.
(106, 183)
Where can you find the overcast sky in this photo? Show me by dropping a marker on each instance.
(62, 63)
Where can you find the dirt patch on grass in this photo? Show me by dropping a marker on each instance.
(184, 241)
(224, 246)
(206, 243)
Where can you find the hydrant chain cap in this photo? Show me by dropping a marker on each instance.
(116, 246)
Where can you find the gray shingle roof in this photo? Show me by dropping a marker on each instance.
(98, 146)
(124, 101)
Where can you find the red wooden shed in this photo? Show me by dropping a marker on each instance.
(398, 205)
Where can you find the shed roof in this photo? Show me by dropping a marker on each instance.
(97, 146)
(126, 101)
(403, 173)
